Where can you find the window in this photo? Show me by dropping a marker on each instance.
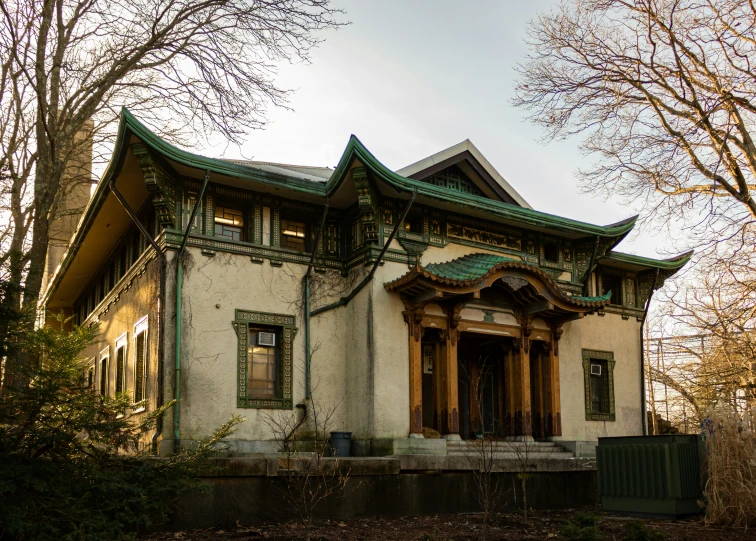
(104, 357)
(120, 376)
(551, 252)
(264, 376)
(140, 360)
(293, 235)
(598, 367)
(229, 223)
(190, 199)
(610, 282)
(90, 377)
(262, 363)
(414, 224)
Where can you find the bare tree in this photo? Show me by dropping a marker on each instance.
(310, 470)
(662, 93)
(186, 67)
(482, 451)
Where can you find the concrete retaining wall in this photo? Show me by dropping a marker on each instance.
(250, 492)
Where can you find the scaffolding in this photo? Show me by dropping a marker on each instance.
(670, 363)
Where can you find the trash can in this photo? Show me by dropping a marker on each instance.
(341, 442)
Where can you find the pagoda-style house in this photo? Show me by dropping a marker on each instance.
(245, 287)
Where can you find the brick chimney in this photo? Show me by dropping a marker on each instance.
(74, 194)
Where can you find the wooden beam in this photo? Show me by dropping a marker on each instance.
(427, 296)
(510, 395)
(537, 307)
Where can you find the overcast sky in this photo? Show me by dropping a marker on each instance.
(410, 78)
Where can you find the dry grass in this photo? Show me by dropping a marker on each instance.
(731, 468)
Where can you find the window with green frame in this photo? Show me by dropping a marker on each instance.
(265, 359)
(598, 369)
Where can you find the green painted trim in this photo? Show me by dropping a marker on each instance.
(287, 324)
(673, 263)
(129, 126)
(607, 356)
(355, 149)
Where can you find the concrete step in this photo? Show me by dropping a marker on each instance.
(558, 455)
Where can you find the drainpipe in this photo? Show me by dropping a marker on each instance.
(344, 300)
(307, 309)
(177, 347)
(161, 307)
(643, 361)
(590, 268)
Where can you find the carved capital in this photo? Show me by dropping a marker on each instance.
(414, 319)
(159, 183)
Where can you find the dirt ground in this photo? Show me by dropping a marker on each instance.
(541, 526)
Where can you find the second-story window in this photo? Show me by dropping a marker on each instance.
(229, 223)
(293, 235)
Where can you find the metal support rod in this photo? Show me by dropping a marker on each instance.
(345, 300)
(643, 368)
(161, 306)
(177, 346)
(308, 357)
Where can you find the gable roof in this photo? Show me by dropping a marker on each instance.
(468, 153)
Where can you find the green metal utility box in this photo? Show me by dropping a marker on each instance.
(659, 475)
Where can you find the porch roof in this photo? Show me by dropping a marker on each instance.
(473, 272)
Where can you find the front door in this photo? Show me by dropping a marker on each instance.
(481, 385)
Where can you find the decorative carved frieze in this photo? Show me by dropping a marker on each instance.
(160, 184)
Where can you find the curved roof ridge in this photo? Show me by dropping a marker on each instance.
(474, 269)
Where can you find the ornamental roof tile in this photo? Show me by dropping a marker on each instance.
(476, 269)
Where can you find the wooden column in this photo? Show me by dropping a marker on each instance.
(414, 320)
(450, 420)
(554, 417)
(438, 386)
(510, 398)
(539, 422)
(523, 416)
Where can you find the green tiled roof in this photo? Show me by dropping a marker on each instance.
(469, 267)
(474, 269)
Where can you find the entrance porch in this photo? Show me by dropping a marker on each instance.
(483, 335)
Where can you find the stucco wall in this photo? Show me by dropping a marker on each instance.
(139, 300)
(606, 333)
(360, 360)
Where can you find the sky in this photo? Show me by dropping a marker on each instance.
(411, 78)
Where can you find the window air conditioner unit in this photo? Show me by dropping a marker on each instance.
(595, 370)
(266, 339)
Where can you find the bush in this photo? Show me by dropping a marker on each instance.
(582, 527)
(70, 460)
(637, 531)
(730, 488)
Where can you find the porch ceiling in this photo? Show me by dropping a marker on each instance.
(529, 288)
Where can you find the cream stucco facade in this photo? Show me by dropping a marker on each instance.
(439, 302)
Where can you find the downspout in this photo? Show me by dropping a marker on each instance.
(590, 268)
(177, 346)
(307, 308)
(643, 360)
(161, 308)
(344, 300)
